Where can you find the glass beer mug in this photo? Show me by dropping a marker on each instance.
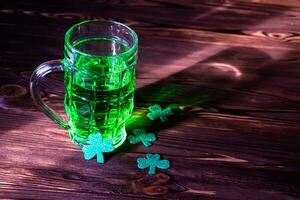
(99, 75)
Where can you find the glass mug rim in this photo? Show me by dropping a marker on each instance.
(70, 31)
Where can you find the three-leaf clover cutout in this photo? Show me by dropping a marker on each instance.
(140, 135)
(152, 161)
(96, 147)
(157, 112)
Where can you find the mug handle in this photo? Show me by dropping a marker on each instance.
(41, 71)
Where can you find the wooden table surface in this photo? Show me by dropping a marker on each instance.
(229, 69)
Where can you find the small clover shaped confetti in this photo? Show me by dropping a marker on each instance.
(157, 112)
(140, 135)
(152, 161)
(96, 147)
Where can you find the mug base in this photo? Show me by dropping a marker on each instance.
(80, 142)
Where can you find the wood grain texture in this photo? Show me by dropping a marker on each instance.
(230, 70)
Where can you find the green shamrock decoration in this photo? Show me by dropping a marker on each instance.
(96, 147)
(152, 161)
(142, 136)
(156, 112)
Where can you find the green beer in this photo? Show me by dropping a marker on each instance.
(100, 94)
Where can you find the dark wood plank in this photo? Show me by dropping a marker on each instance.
(229, 69)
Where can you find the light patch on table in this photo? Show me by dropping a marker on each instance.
(223, 158)
(181, 63)
(206, 192)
